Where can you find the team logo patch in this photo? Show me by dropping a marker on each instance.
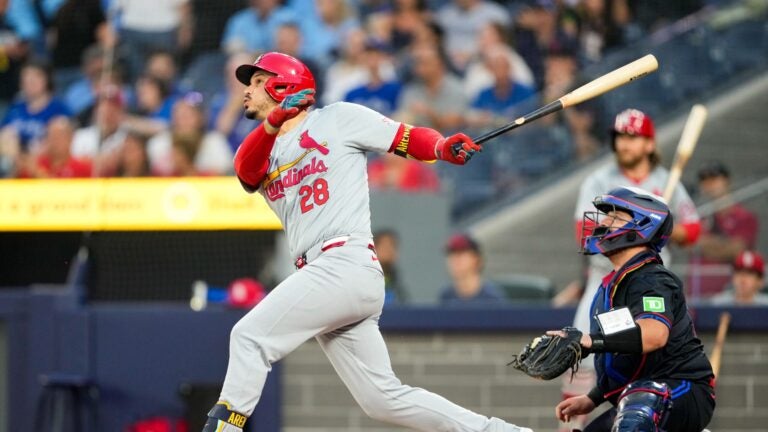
(307, 142)
(653, 304)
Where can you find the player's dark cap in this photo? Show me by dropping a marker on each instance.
(750, 261)
(713, 169)
(461, 242)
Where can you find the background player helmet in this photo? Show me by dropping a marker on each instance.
(291, 75)
(632, 122)
(651, 222)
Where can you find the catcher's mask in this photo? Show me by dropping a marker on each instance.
(290, 75)
(650, 222)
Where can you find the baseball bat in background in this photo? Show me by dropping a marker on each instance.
(605, 83)
(685, 147)
(717, 350)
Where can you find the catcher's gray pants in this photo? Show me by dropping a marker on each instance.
(337, 299)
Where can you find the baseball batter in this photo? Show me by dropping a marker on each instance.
(310, 166)
(637, 165)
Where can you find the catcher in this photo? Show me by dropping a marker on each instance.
(650, 365)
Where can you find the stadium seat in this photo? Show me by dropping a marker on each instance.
(682, 61)
(526, 288)
(205, 74)
(744, 45)
(471, 185)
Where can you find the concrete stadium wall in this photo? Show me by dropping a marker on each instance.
(470, 369)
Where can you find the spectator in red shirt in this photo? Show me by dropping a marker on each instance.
(55, 158)
(725, 234)
(390, 172)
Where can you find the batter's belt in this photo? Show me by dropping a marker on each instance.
(315, 251)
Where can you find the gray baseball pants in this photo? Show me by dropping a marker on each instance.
(337, 299)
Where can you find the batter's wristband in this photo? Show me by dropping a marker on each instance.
(401, 149)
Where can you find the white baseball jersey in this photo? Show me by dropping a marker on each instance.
(317, 182)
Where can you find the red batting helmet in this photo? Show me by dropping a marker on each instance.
(291, 75)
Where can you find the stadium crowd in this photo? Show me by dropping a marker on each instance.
(143, 87)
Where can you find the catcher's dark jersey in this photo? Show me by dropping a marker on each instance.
(650, 291)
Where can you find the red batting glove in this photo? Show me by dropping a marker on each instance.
(457, 149)
(290, 107)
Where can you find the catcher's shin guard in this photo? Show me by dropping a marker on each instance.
(643, 406)
(223, 419)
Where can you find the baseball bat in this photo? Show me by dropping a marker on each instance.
(623, 75)
(717, 350)
(685, 147)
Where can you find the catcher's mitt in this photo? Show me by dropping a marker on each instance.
(547, 357)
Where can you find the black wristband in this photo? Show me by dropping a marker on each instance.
(596, 396)
(626, 342)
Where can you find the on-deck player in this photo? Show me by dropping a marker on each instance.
(637, 164)
(311, 168)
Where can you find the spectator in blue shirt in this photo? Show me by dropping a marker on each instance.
(325, 32)
(154, 102)
(465, 266)
(253, 29)
(378, 93)
(504, 97)
(29, 116)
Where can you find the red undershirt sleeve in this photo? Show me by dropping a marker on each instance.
(692, 231)
(252, 158)
(416, 142)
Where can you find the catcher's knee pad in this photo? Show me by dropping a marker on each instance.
(223, 419)
(643, 406)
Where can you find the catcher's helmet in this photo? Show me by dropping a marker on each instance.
(632, 122)
(291, 75)
(651, 222)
